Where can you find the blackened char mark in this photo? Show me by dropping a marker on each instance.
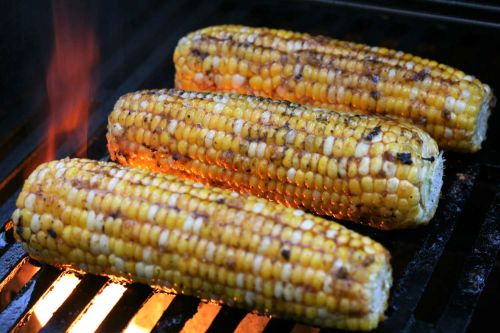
(373, 133)
(430, 159)
(404, 158)
(199, 54)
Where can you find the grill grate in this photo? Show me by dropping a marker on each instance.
(441, 271)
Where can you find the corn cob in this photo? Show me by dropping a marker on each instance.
(188, 238)
(356, 167)
(451, 106)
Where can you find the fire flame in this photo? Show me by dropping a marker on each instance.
(69, 77)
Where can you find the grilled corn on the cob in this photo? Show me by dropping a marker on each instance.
(185, 237)
(451, 106)
(357, 167)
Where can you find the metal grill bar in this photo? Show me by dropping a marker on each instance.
(175, 316)
(18, 309)
(227, 320)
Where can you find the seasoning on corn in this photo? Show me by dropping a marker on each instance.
(451, 106)
(188, 238)
(363, 168)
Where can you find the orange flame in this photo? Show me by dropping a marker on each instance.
(69, 81)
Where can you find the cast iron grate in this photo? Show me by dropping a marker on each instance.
(441, 271)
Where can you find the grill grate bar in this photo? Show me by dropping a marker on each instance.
(477, 268)
(408, 290)
(279, 325)
(226, 320)
(68, 312)
(123, 311)
(10, 262)
(180, 310)
(16, 312)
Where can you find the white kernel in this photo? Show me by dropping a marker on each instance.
(209, 138)
(238, 125)
(276, 231)
(148, 271)
(286, 272)
(163, 239)
(414, 92)
(307, 225)
(173, 199)
(342, 169)
(198, 78)
(298, 212)
(139, 269)
(209, 254)
(265, 117)
(153, 209)
(297, 69)
(172, 125)
(296, 236)
(389, 169)
(112, 183)
(298, 294)
(322, 312)
(328, 145)
(288, 292)
(361, 149)
(258, 284)
(392, 185)
(364, 166)
(252, 149)
(90, 199)
(99, 222)
(188, 223)
(264, 245)
(460, 106)
(392, 73)
(215, 61)
(290, 136)
(162, 97)
(120, 173)
(466, 94)
(35, 223)
(29, 201)
(198, 185)
(218, 107)
(120, 264)
(198, 223)
(94, 243)
(91, 220)
(258, 207)
(146, 254)
(331, 233)
(249, 298)
(409, 65)
(59, 173)
(240, 280)
(257, 262)
(261, 149)
(278, 289)
(137, 96)
(449, 103)
(104, 244)
(238, 80)
(327, 284)
(144, 104)
(290, 175)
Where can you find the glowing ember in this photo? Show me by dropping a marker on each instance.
(52, 300)
(149, 314)
(252, 323)
(202, 319)
(99, 308)
(69, 83)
